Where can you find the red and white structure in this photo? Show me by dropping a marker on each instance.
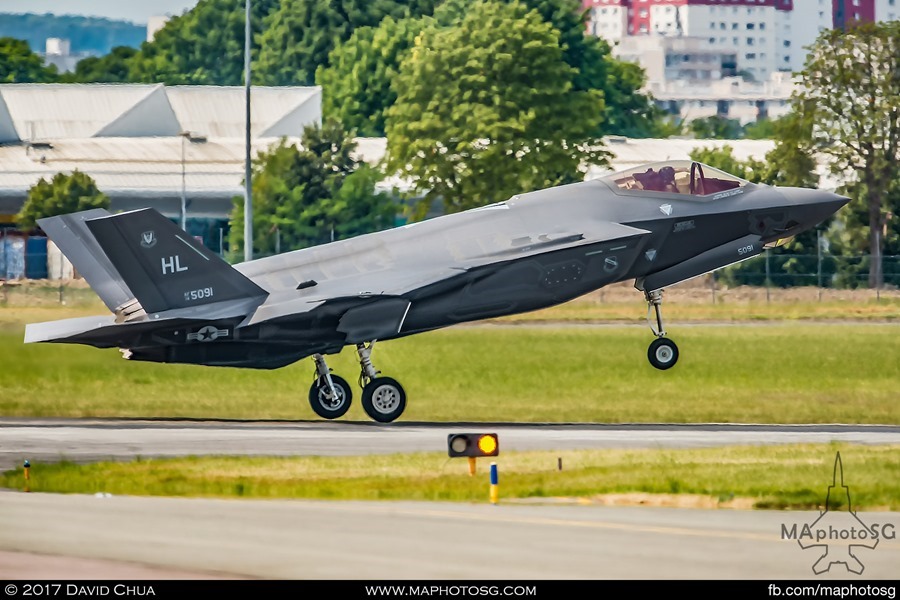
(766, 35)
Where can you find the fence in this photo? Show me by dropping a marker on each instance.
(27, 263)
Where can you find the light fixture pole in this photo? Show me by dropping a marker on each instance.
(186, 136)
(248, 199)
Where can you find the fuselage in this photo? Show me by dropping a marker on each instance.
(532, 251)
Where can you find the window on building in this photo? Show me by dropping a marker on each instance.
(762, 26)
(721, 25)
(750, 41)
(734, 41)
(643, 12)
(734, 25)
(750, 56)
(751, 25)
(787, 58)
(712, 40)
(855, 2)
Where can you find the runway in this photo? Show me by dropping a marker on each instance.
(46, 536)
(90, 440)
(284, 539)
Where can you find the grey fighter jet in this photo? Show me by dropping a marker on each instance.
(174, 301)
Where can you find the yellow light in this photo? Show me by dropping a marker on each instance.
(487, 444)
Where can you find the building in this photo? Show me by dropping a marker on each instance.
(145, 145)
(686, 59)
(767, 36)
(58, 52)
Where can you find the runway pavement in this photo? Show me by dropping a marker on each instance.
(46, 536)
(85, 440)
(286, 539)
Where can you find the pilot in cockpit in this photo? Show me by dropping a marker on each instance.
(667, 176)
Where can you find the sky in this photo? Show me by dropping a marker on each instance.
(136, 11)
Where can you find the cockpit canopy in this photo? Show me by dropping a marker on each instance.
(676, 177)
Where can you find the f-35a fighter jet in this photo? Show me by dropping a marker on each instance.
(174, 301)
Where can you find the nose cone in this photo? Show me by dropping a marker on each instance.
(811, 207)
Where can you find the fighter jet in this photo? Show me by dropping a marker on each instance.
(174, 301)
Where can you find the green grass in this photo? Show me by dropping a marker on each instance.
(789, 476)
(784, 373)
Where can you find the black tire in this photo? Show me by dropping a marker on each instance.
(318, 398)
(663, 353)
(383, 399)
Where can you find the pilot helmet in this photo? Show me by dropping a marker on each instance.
(667, 173)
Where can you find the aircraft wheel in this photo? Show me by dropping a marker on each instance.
(383, 399)
(663, 353)
(330, 408)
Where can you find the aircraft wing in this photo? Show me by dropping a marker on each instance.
(383, 290)
(529, 244)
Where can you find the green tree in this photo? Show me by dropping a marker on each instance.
(205, 45)
(356, 87)
(65, 193)
(626, 109)
(304, 196)
(18, 64)
(300, 34)
(716, 128)
(111, 68)
(486, 110)
(849, 90)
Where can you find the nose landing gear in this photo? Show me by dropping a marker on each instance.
(663, 353)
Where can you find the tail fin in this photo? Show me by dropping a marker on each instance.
(71, 235)
(164, 266)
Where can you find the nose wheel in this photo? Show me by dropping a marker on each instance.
(663, 353)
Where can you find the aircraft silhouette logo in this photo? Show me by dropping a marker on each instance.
(842, 530)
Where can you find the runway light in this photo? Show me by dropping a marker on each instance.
(473, 444)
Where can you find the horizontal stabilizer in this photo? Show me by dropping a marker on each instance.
(73, 238)
(164, 266)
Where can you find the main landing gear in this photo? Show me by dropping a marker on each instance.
(663, 353)
(383, 398)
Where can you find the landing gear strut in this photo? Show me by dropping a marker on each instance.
(663, 353)
(329, 394)
(383, 398)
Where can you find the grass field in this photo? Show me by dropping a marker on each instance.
(772, 373)
(792, 476)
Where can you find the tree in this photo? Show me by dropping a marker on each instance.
(18, 64)
(626, 109)
(64, 194)
(716, 128)
(356, 86)
(205, 45)
(300, 34)
(311, 195)
(112, 68)
(485, 110)
(849, 90)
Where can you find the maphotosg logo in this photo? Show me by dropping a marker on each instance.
(838, 533)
